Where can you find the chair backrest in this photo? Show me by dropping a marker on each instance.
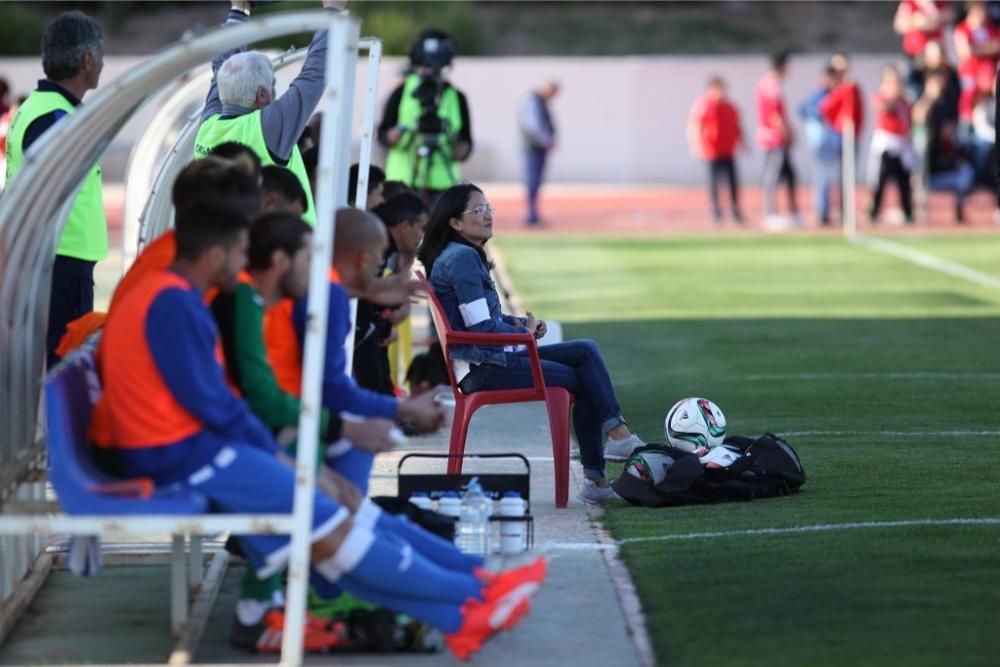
(442, 325)
(70, 393)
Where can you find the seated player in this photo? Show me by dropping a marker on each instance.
(174, 419)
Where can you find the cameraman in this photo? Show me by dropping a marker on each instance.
(425, 126)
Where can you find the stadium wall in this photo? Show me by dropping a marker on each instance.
(620, 120)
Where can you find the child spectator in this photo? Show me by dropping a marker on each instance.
(774, 135)
(891, 155)
(714, 134)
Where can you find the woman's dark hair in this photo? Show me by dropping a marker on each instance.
(449, 204)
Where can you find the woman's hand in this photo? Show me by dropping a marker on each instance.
(541, 329)
(530, 322)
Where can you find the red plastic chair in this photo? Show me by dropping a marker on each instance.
(558, 401)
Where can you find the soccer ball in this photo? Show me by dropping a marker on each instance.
(649, 466)
(694, 425)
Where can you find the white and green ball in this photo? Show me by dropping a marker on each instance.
(695, 425)
(649, 466)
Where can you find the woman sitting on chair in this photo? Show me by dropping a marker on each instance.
(460, 224)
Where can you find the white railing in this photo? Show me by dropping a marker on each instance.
(33, 211)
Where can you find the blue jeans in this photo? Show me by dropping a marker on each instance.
(958, 181)
(826, 163)
(575, 365)
(534, 167)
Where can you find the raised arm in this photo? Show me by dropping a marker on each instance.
(239, 12)
(285, 118)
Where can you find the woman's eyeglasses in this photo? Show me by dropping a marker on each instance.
(480, 210)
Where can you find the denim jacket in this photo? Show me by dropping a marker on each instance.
(469, 297)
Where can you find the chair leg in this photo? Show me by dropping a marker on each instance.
(558, 404)
(459, 431)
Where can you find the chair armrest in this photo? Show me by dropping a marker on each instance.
(471, 338)
(140, 487)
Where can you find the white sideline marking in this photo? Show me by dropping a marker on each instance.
(892, 434)
(751, 532)
(927, 260)
(888, 375)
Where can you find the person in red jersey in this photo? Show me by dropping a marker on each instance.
(921, 22)
(977, 43)
(715, 134)
(774, 135)
(891, 154)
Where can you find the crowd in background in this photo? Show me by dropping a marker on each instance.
(933, 119)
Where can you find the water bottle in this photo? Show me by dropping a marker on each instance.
(512, 532)
(421, 500)
(450, 504)
(474, 521)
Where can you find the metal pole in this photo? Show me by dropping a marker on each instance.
(364, 162)
(334, 156)
(368, 121)
(848, 178)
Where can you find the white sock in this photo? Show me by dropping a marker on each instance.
(251, 612)
(367, 514)
(354, 547)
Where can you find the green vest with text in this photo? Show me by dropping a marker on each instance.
(247, 130)
(438, 171)
(85, 235)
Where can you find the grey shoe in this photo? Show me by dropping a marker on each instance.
(592, 494)
(620, 450)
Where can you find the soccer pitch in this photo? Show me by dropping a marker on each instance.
(881, 372)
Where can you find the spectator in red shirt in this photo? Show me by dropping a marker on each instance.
(774, 135)
(714, 134)
(977, 43)
(891, 154)
(844, 103)
(920, 22)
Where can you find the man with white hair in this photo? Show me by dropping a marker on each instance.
(242, 104)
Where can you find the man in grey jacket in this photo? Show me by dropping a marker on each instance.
(538, 133)
(242, 104)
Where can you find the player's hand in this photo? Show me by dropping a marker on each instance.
(372, 435)
(241, 6)
(394, 290)
(423, 411)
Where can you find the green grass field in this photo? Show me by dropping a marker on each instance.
(887, 378)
